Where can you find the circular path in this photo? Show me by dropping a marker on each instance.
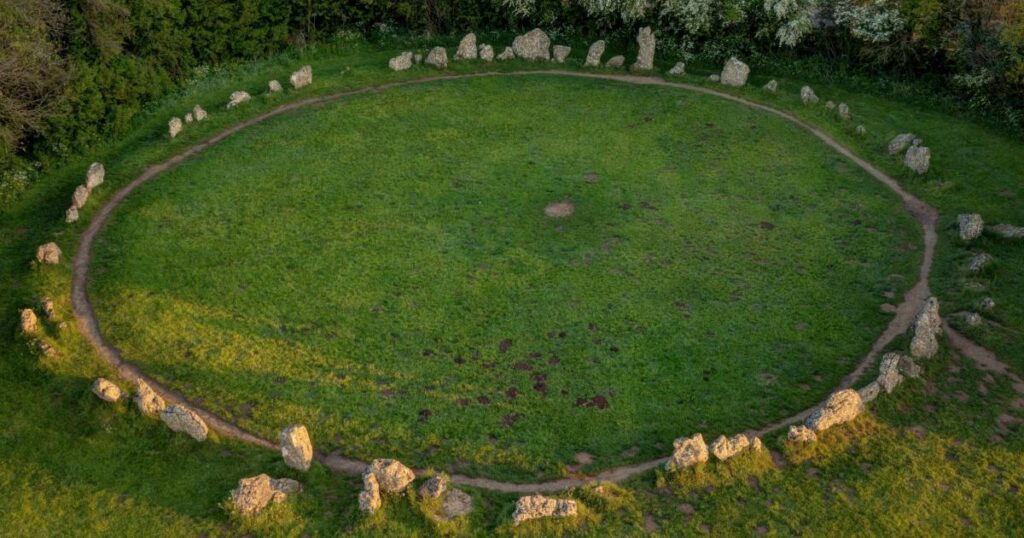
(925, 215)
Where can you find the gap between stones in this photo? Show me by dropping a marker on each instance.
(925, 215)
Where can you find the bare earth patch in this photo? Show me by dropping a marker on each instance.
(559, 210)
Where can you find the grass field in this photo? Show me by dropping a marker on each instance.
(940, 457)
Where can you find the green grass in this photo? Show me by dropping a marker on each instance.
(75, 466)
(358, 274)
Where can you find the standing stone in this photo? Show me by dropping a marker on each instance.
(80, 197)
(199, 113)
(927, 326)
(801, 434)
(678, 70)
(401, 62)
(900, 143)
(771, 86)
(238, 98)
(255, 493)
(48, 308)
(1007, 231)
(296, 448)
(830, 104)
(840, 407)
(147, 400)
(106, 391)
(94, 176)
(539, 506)
(735, 73)
(972, 319)
(434, 487)
(437, 57)
(507, 54)
(174, 127)
(971, 225)
(456, 503)
(844, 111)
(918, 158)
(987, 303)
(807, 96)
(869, 392)
(533, 45)
(715, 77)
(594, 54)
(616, 61)
(979, 262)
(29, 321)
(889, 376)
(392, 476)
(369, 498)
(188, 117)
(487, 53)
(71, 215)
(274, 86)
(688, 452)
(861, 130)
(48, 253)
(302, 78)
(724, 448)
(645, 58)
(184, 420)
(467, 48)
(560, 53)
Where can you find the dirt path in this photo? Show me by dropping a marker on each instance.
(85, 315)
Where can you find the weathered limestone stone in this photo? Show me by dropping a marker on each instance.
(772, 86)
(417, 58)
(756, 445)
(971, 225)
(899, 143)
(48, 253)
(434, 487)
(844, 111)
(715, 77)
(188, 117)
(616, 61)
(861, 130)
(1007, 231)
(986, 303)
(467, 48)
(594, 54)
(80, 197)
(539, 506)
(487, 53)
(199, 113)
(840, 407)
(735, 73)
(979, 262)
(726, 447)
(369, 498)
(807, 96)
(174, 127)
(687, 453)
(106, 391)
(456, 503)
(94, 176)
(274, 86)
(147, 400)
(437, 57)
(830, 104)
(869, 392)
(392, 476)
(889, 376)
(29, 321)
(801, 434)
(302, 78)
(645, 57)
(255, 493)
(972, 319)
(48, 309)
(296, 448)
(918, 158)
(927, 326)
(507, 54)
(238, 98)
(45, 348)
(678, 70)
(401, 62)
(560, 52)
(533, 45)
(184, 420)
